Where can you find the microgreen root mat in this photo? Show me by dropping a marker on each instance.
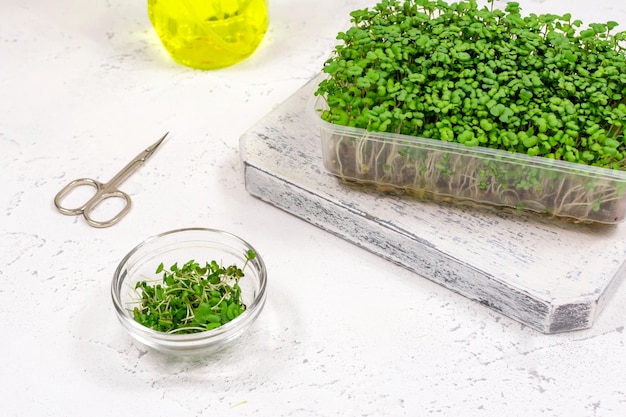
(548, 274)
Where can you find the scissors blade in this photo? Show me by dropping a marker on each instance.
(133, 165)
(151, 149)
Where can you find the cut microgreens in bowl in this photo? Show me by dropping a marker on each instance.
(480, 78)
(192, 298)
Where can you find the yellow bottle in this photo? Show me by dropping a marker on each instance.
(209, 34)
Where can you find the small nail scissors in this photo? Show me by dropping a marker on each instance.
(105, 191)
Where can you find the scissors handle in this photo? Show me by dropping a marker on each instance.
(99, 198)
(69, 188)
(103, 192)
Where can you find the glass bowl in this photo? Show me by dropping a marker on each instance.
(180, 246)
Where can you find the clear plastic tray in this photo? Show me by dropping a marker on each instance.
(433, 169)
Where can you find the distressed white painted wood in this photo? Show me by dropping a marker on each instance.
(550, 275)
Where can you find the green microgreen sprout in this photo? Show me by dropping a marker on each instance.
(191, 298)
(540, 85)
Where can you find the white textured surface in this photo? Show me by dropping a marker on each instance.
(84, 86)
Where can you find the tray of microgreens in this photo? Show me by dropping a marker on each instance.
(461, 102)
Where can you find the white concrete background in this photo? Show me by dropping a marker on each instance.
(84, 86)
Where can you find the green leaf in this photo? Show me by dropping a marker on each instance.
(355, 70)
(497, 110)
(506, 113)
(204, 313)
(486, 125)
(363, 82)
(529, 141)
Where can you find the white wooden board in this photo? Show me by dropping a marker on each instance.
(551, 275)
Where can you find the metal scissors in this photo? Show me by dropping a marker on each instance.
(105, 191)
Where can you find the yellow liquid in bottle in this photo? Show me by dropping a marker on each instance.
(209, 34)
